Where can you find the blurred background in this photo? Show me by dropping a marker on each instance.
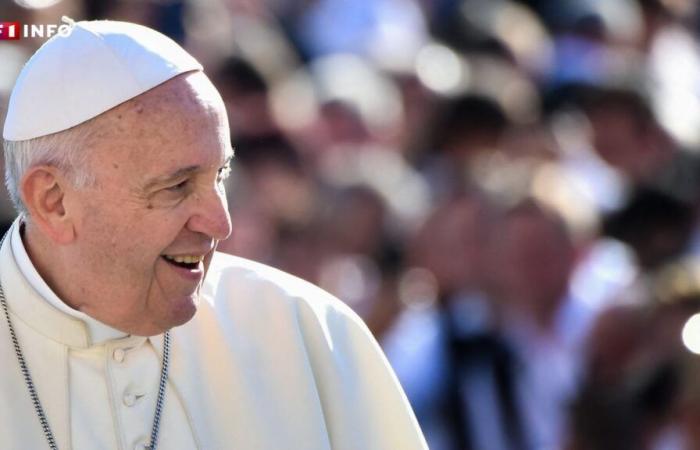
(507, 192)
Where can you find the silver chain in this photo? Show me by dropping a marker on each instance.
(27, 377)
(161, 391)
(35, 396)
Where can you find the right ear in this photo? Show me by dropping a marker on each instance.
(43, 190)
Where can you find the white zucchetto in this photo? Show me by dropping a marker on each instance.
(79, 75)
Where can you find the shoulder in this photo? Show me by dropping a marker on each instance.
(242, 284)
(232, 273)
(224, 267)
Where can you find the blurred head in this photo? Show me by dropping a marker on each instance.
(245, 91)
(356, 220)
(452, 241)
(123, 219)
(626, 134)
(534, 257)
(657, 226)
(468, 125)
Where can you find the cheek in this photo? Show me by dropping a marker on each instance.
(125, 237)
(117, 246)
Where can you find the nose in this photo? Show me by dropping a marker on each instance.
(211, 216)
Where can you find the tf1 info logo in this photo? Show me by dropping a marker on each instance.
(10, 31)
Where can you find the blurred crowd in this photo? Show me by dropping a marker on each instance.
(507, 192)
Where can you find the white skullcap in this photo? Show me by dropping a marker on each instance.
(79, 75)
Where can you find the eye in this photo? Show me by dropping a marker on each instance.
(178, 187)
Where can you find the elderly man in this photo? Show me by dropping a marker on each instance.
(122, 326)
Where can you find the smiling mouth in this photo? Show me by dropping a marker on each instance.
(190, 262)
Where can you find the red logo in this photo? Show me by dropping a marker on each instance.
(9, 31)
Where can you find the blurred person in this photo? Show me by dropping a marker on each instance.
(493, 361)
(627, 136)
(542, 322)
(464, 128)
(639, 390)
(658, 231)
(618, 410)
(356, 221)
(444, 307)
(245, 93)
(360, 257)
(656, 226)
(535, 256)
(118, 312)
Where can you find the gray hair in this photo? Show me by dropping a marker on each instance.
(66, 150)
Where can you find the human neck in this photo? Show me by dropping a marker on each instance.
(46, 259)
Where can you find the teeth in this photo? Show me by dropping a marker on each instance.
(187, 259)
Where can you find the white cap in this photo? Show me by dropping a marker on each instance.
(79, 75)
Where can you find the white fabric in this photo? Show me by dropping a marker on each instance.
(98, 331)
(268, 362)
(129, 364)
(97, 66)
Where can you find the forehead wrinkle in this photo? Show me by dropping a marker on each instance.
(191, 92)
(149, 121)
(177, 96)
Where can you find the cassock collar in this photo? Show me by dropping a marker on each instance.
(36, 304)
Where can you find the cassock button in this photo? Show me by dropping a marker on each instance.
(129, 399)
(118, 355)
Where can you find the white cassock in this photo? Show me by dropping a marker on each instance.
(269, 362)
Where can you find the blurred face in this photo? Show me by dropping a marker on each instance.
(535, 259)
(146, 231)
(625, 144)
(451, 244)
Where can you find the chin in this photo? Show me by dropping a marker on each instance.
(182, 310)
